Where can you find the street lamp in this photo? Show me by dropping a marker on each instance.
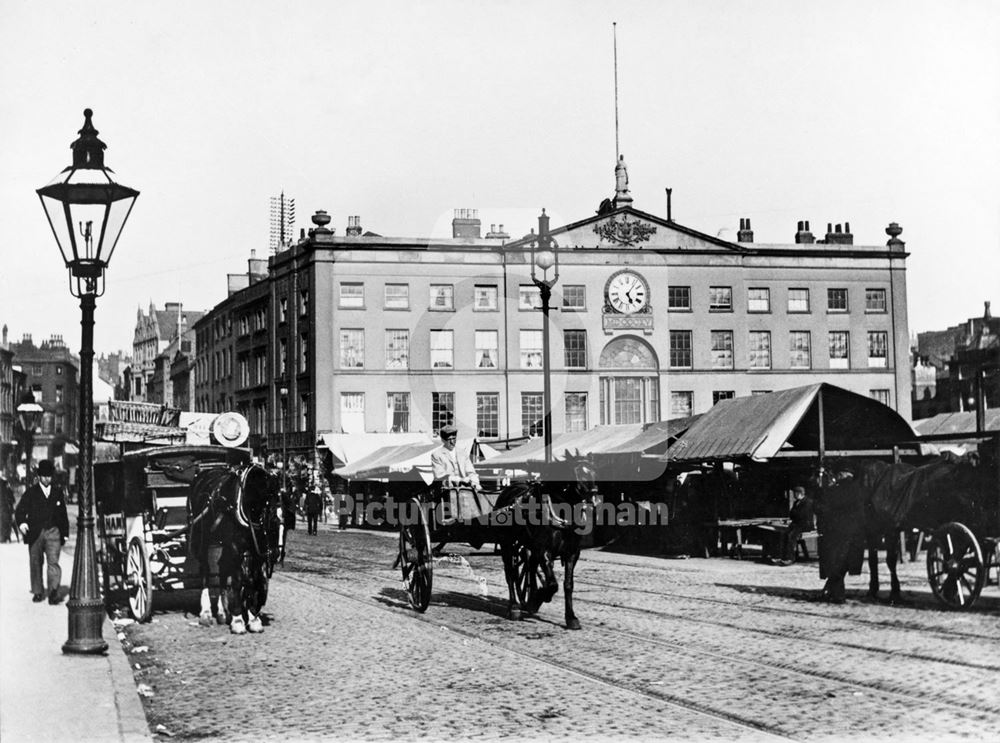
(86, 209)
(29, 415)
(544, 257)
(283, 408)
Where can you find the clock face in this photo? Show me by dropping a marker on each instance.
(627, 292)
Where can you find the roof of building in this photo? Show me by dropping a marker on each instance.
(166, 321)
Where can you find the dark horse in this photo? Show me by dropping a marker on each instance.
(549, 517)
(234, 513)
(870, 502)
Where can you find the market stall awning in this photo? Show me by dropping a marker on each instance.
(349, 447)
(654, 438)
(595, 440)
(403, 461)
(955, 423)
(787, 423)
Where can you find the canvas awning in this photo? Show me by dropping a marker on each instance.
(349, 447)
(957, 423)
(402, 461)
(597, 439)
(654, 438)
(788, 423)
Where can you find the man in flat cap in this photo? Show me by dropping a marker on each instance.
(452, 466)
(41, 518)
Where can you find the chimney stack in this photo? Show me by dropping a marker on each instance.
(495, 234)
(354, 226)
(745, 235)
(803, 236)
(670, 211)
(838, 235)
(466, 224)
(256, 267)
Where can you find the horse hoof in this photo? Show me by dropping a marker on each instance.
(515, 615)
(205, 619)
(573, 623)
(548, 591)
(238, 627)
(255, 625)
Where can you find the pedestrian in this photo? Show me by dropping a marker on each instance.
(289, 503)
(314, 507)
(801, 519)
(6, 508)
(41, 518)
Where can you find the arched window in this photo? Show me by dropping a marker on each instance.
(630, 390)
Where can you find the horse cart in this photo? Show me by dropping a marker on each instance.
(963, 554)
(530, 523)
(142, 520)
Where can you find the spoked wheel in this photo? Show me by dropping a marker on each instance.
(529, 578)
(955, 566)
(138, 581)
(415, 558)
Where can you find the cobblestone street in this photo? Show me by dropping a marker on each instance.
(677, 649)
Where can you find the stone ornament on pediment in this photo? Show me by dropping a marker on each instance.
(624, 231)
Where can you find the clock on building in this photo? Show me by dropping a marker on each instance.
(627, 292)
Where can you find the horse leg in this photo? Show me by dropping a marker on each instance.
(873, 540)
(569, 564)
(254, 596)
(833, 590)
(237, 625)
(205, 615)
(510, 574)
(891, 560)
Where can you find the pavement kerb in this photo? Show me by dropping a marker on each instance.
(48, 695)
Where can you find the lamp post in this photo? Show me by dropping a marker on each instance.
(544, 258)
(284, 434)
(29, 415)
(86, 208)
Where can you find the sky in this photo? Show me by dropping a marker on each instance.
(400, 112)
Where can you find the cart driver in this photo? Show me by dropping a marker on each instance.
(452, 466)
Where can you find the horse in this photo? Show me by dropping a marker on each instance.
(870, 502)
(550, 516)
(234, 512)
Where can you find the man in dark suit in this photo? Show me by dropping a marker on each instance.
(41, 518)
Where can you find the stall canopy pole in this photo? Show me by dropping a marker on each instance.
(822, 429)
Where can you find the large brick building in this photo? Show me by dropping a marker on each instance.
(651, 320)
(51, 373)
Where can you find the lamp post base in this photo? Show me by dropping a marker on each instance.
(86, 618)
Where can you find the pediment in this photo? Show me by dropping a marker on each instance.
(631, 229)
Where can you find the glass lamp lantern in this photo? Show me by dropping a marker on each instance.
(87, 208)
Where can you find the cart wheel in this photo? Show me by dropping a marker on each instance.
(415, 559)
(138, 581)
(955, 567)
(529, 577)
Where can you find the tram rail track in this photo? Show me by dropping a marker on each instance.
(922, 699)
(661, 697)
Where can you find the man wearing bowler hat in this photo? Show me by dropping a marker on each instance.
(41, 518)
